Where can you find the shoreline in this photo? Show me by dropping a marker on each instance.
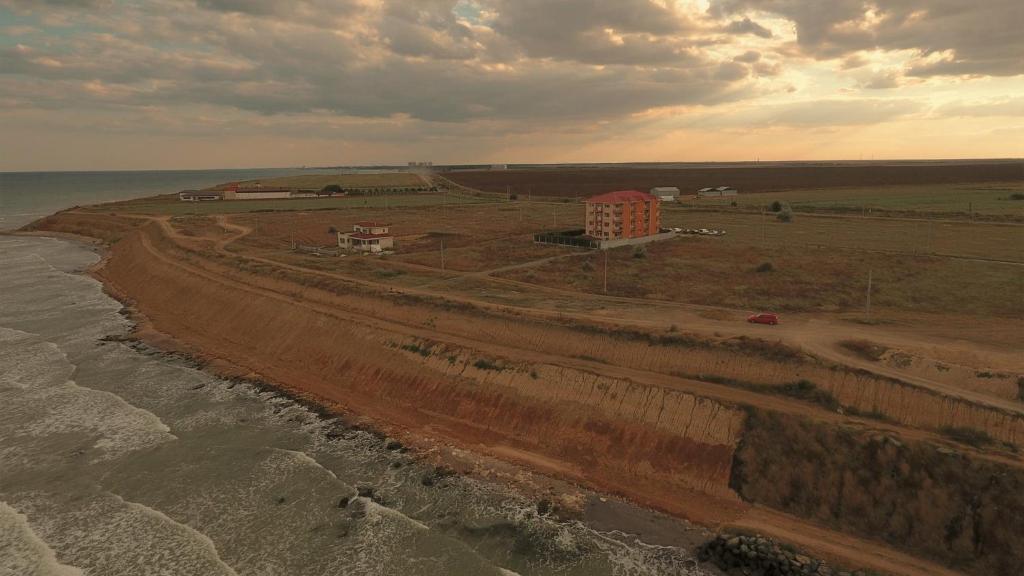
(148, 255)
(567, 501)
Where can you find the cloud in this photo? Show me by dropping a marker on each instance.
(981, 38)
(881, 81)
(423, 62)
(748, 26)
(830, 112)
(1008, 107)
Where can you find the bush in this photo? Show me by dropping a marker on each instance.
(776, 206)
(865, 349)
(332, 230)
(1017, 196)
(968, 436)
(785, 214)
(483, 364)
(640, 252)
(764, 267)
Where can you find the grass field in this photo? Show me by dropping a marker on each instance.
(962, 239)
(316, 181)
(818, 263)
(984, 198)
(172, 206)
(700, 270)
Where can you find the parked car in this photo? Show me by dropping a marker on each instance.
(763, 318)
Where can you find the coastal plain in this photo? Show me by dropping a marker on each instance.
(883, 436)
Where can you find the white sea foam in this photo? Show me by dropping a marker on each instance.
(24, 553)
(49, 406)
(376, 512)
(203, 541)
(307, 459)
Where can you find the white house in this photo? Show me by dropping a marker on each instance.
(367, 236)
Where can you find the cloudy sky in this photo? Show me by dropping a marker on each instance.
(135, 84)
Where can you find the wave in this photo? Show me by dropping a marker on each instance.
(25, 553)
(47, 403)
(202, 539)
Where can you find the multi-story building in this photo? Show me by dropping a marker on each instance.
(623, 214)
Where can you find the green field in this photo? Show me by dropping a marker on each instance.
(317, 181)
(962, 239)
(175, 207)
(988, 198)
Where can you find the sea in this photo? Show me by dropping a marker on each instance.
(119, 459)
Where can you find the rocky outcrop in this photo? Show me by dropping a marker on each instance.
(750, 555)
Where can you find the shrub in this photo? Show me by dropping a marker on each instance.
(806, 390)
(776, 206)
(968, 436)
(1017, 196)
(865, 349)
(764, 267)
(786, 214)
(484, 364)
(332, 230)
(424, 351)
(640, 252)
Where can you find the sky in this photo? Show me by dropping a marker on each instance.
(165, 84)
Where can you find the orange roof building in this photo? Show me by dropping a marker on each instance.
(622, 214)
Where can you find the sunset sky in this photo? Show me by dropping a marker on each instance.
(110, 84)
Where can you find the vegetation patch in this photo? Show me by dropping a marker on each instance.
(865, 349)
(969, 436)
(424, 351)
(486, 364)
(965, 512)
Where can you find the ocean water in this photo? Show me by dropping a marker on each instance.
(26, 196)
(116, 459)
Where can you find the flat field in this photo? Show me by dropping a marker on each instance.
(891, 235)
(993, 198)
(371, 180)
(712, 272)
(817, 262)
(748, 178)
(172, 206)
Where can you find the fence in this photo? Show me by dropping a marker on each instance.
(575, 238)
(316, 250)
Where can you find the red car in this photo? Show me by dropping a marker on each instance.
(763, 318)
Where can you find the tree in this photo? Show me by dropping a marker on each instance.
(776, 206)
(330, 190)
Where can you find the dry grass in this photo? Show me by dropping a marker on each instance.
(990, 198)
(964, 239)
(708, 272)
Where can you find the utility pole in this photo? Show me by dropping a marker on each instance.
(867, 306)
(554, 215)
(764, 228)
(605, 270)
